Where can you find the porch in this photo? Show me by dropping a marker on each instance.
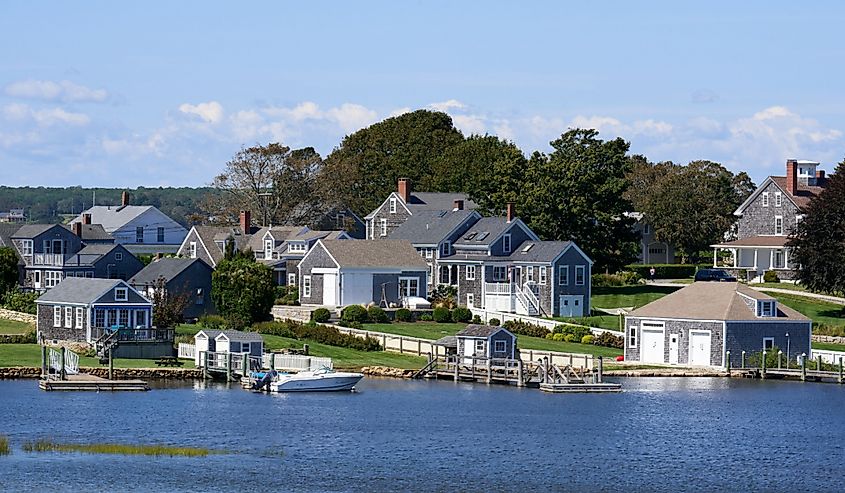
(752, 257)
(511, 297)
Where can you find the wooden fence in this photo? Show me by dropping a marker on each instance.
(486, 315)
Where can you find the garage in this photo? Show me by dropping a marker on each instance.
(652, 343)
(699, 347)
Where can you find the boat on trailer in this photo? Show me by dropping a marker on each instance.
(320, 380)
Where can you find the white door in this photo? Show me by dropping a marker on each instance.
(673, 349)
(330, 289)
(699, 347)
(651, 346)
(469, 350)
(571, 305)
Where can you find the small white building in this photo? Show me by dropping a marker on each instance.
(227, 341)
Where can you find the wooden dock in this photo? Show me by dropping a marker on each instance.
(87, 382)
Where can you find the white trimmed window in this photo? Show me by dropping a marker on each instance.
(529, 273)
(500, 273)
(192, 249)
(563, 275)
(268, 248)
(543, 275)
(429, 253)
(499, 346)
(384, 227)
(297, 247)
(160, 234)
(79, 317)
(57, 316)
(579, 275)
(632, 336)
(506, 243)
(121, 294)
(778, 225)
(765, 199)
(409, 286)
(306, 286)
(291, 279)
(139, 234)
(768, 343)
(445, 249)
(470, 272)
(26, 247)
(393, 205)
(118, 256)
(479, 346)
(68, 317)
(778, 199)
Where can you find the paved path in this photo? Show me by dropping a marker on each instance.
(806, 294)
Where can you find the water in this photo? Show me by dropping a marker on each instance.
(668, 434)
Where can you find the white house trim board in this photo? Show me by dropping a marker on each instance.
(320, 243)
(324, 270)
(386, 201)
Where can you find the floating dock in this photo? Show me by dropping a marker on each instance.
(87, 382)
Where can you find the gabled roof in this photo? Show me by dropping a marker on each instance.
(7, 230)
(432, 227)
(167, 268)
(755, 241)
(209, 235)
(91, 254)
(476, 330)
(427, 201)
(543, 251)
(33, 230)
(712, 301)
(239, 336)
(92, 232)
(374, 253)
(279, 233)
(801, 199)
(114, 217)
(489, 229)
(80, 290)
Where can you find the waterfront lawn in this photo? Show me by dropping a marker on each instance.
(820, 311)
(422, 330)
(628, 296)
(779, 285)
(30, 355)
(14, 327)
(829, 346)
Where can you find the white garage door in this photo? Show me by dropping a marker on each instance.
(571, 306)
(651, 344)
(699, 347)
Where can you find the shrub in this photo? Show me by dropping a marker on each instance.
(377, 315)
(476, 319)
(404, 315)
(607, 280)
(324, 334)
(607, 339)
(354, 313)
(20, 302)
(442, 315)
(587, 339)
(569, 338)
(27, 337)
(321, 315)
(629, 277)
(351, 325)
(216, 322)
(556, 337)
(495, 322)
(426, 317)
(577, 331)
(286, 295)
(184, 338)
(829, 330)
(525, 328)
(461, 315)
(771, 276)
(444, 295)
(663, 271)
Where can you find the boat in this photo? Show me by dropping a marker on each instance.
(320, 380)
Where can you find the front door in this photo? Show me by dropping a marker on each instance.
(673, 349)
(517, 275)
(330, 289)
(699, 347)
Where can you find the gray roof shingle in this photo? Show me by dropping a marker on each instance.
(476, 330)
(375, 253)
(79, 290)
(166, 268)
(431, 227)
(93, 232)
(539, 251)
(90, 254)
(237, 335)
(484, 232)
(437, 201)
(32, 230)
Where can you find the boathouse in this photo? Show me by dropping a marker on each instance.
(485, 341)
(698, 324)
(227, 341)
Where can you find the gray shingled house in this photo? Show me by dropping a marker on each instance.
(697, 324)
(347, 272)
(485, 341)
(226, 341)
(190, 277)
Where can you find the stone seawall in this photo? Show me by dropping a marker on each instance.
(119, 373)
(286, 312)
(386, 371)
(17, 316)
(830, 339)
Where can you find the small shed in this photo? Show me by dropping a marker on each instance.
(485, 341)
(449, 343)
(227, 341)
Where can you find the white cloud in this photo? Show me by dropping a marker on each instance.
(470, 124)
(445, 106)
(18, 112)
(211, 112)
(351, 117)
(48, 90)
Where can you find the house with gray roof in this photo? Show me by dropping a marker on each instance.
(188, 277)
(483, 342)
(404, 203)
(90, 233)
(142, 229)
(700, 323)
(226, 341)
(346, 272)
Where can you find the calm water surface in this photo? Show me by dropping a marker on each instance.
(659, 435)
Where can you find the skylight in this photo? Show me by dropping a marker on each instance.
(483, 235)
(527, 247)
(471, 235)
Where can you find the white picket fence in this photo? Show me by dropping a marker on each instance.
(296, 362)
(503, 317)
(831, 357)
(187, 351)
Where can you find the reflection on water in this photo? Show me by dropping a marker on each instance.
(661, 434)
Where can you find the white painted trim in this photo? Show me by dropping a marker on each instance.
(324, 270)
(689, 345)
(379, 208)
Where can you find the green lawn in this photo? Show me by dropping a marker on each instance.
(628, 296)
(30, 355)
(820, 311)
(12, 327)
(610, 322)
(780, 285)
(829, 346)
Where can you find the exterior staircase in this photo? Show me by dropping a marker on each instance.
(109, 340)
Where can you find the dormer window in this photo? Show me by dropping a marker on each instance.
(297, 247)
(766, 308)
(268, 248)
(445, 249)
(121, 294)
(393, 205)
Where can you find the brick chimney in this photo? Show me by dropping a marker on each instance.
(459, 205)
(404, 189)
(124, 198)
(820, 177)
(77, 229)
(246, 221)
(511, 215)
(86, 218)
(791, 176)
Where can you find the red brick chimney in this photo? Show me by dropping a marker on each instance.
(124, 198)
(511, 214)
(791, 176)
(459, 205)
(819, 177)
(77, 229)
(246, 221)
(404, 189)
(86, 218)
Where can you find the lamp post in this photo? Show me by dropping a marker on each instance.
(787, 350)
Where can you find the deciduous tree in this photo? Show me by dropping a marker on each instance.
(168, 307)
(243, 291)
(8, 270)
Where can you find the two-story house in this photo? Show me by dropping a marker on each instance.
(209, 242)
(766, 220)
(404, 203)
(142, 229)
(651, 251)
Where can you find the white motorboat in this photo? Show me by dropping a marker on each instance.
(321, 380)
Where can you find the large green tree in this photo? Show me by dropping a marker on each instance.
(818, 242)
(243, 291)
(8, 270)
(364, 169)
(690, 207)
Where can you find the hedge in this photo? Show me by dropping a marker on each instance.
(461, 315)
(354, 313)
(663, 271)
(321, 315)
(442, 315)
(25, 338)
(323, 334)
(377, 315)
(404, 315)
(526, 329)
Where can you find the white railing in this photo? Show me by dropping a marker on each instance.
(71, 361)
(542, 322)
(532, 298)
(497, 288)
(187, 351)
(529, 302)
(831, 357)
(55, 360)
(296, 362)
(54, 259)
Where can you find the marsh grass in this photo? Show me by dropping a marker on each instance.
(45, 445)
(5, 449)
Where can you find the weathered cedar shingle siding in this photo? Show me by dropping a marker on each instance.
(45, 324)
(393, 219)
(318, 257)
(683, 328)
(759, 220)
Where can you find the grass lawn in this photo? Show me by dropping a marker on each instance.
(779, 285)
(13, 327)
(829, 346)
(628, 296)
(820, 311)
(30, 355)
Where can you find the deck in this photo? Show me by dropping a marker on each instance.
(87, 382)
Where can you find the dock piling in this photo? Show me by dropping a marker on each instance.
(44, 361)
(228, 367)
(819, 362)
(780, 354)
(763, 366)
(601, 369)
(520, 381)
(111, 365)
(803, 367)
(743, 359)
(728, 361)
(62, 374)
(204, 359)
(840, 369)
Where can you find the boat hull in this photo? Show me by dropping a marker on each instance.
(328, 383)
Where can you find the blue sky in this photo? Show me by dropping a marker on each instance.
(163, 93)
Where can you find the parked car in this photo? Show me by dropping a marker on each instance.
(716, 275)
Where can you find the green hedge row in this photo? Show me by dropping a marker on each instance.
(663, 271)
(323, 334)
(26, 338)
